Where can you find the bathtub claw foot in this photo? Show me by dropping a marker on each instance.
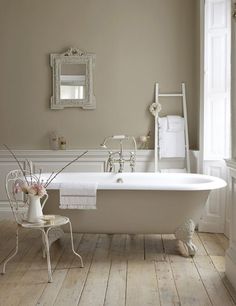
(191, 247)
(185, 234)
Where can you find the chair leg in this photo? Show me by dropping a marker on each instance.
(45, 239)
(72, 246)
(14, 254)
(43, 246)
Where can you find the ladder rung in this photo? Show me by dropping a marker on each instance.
(170, 95)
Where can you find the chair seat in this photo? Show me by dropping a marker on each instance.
(58, 221)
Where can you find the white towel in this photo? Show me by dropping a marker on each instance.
(78, 196)
(172, 144)
(175, 123)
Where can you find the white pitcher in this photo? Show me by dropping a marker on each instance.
(35, 211)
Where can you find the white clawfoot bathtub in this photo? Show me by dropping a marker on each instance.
(157, 203)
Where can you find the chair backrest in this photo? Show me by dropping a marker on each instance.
(17, 200)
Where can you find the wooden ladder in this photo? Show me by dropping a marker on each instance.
(184, 107)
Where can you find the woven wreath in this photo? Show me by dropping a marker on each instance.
(155, 108)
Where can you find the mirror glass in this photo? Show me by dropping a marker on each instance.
(73, 79)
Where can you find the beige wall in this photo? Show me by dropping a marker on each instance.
(137, 42)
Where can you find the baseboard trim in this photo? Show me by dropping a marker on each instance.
(213, 227)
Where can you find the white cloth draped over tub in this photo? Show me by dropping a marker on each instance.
(171, 137)
(78, 195)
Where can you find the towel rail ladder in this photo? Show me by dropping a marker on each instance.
(184, 107)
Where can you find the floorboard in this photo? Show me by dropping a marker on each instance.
(119, 270)
(116, 287)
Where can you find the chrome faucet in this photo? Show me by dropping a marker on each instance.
(112, 159)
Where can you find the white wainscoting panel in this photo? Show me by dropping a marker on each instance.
(228, 208)
(213, 219)
(83, 166)
(230, 258)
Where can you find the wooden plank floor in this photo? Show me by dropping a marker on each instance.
(119, 270)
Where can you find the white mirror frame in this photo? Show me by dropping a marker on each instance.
(73, 56)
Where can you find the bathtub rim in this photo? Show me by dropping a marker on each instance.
(209, 182)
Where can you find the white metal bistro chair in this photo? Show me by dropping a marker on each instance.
(19, 208)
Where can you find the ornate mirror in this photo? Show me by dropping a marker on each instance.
(73, 79)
